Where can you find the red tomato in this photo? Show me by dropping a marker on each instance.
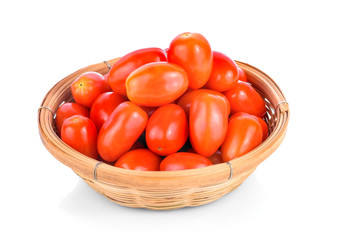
(137, 145)
(244, 98)
(127, 64)
(192, 52)
(121, 130)
(208, 123)
(80, 133)
(67, 110)
(167, 130)
(183, 160)
(156, 84)
(186, 100)
(224, 74)
(241, 75)
(87, 87)
(260, 120)
(244, 134)
(103, 106)
(139, 159)
(216, 158)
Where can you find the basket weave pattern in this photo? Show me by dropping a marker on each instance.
(171, 189)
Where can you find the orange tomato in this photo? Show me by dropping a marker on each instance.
(260, 120)
(156, 84)
(241, 75)
(139, 159)
(186, 100)
(103, 106)
(244, 98)
(120, 71)
(67, 110)
(244, 134)
(208, 123)
(167, 130)
(87, 87)
(183, 160)
(121, 130)
(80, 133)
(192, 51)
(224, 74)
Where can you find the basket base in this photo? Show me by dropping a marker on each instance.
(165, 199)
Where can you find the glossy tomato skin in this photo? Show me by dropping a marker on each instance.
(67, 110)
(241, 75)
(186, 100)
(244, 134)
(260, 120)
(103, 106)
(127, 64)
(208, 123)
(244, 98)
(87, 87)
(121, 130)
(224, 74)
(167, 130)
(139, 159)
(192, 51)
(156, 84)
(80, 133)
(183, 160)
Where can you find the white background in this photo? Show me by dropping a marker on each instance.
(292, 195)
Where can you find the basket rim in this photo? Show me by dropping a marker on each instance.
(86, 165)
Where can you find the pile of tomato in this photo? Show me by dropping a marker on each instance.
(180, 108)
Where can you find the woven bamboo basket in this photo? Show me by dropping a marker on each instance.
(171, 189)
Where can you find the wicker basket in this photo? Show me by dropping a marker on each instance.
(172, 189)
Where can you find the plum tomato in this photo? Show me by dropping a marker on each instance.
(139, 159)
(167, 130)
(103, 106)
(186, 100)
(244, 134)
(156, 84)
(244, 98)
(208, 123)
(241, 75)
(67, 110)
(224, 74)
(121, 130)
(80, 133)
(192, 51)
(127, 64)
(183, 160)
(87, 87)
(260, 120)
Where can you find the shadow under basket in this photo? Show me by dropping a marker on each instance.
(170, 189)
